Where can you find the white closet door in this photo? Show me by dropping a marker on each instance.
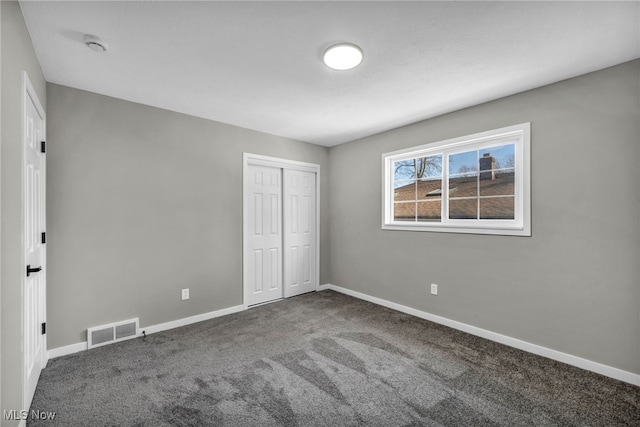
(299, 232)
(264, 216)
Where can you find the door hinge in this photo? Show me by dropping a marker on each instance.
(42, 146)
(44, 237)
(44, 328)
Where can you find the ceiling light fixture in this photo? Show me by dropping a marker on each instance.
(343, 56)
(95, 44)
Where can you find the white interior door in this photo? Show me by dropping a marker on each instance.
(263, 256)
(34, 291)
(280, 228)
(299, 232)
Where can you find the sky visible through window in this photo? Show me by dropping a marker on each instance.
(467, 162)
(423, 168)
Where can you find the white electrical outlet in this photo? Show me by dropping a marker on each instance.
(434, 289)
(185, 294)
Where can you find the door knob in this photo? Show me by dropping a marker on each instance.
(32, 270)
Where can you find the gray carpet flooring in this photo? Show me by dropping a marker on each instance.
(324, 359)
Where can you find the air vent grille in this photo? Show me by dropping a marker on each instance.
(113, 332)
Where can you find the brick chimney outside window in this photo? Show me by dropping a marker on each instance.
(487, 166)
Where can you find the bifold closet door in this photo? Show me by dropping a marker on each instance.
(299, 232)
(264, 227)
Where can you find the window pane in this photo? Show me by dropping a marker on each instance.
(405, 190)
(404, 211)
(404, 170)
(463, 209)
(464, 185)
(462, 163)
(500, 183)
(428, 168)
(429, 190)
(504, 156)
(429, 173)
(430, 211)
(497, 208)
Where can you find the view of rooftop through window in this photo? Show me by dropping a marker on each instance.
(480, 185)
(476, 183)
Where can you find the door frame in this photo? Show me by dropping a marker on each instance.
(275, 162)
(29, 95)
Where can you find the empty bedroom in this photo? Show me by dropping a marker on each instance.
(312, 213)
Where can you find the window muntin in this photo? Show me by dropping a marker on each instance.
(474, 184)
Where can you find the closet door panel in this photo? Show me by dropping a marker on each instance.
(299, 226)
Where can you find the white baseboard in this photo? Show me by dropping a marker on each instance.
(67, 349)
(569, 359)
(81, 346)
(189, 320)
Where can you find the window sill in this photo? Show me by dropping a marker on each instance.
(501, 230)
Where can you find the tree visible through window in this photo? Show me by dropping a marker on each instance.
(414, 180)
(470, 183)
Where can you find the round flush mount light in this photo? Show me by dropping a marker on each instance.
(95, 44)
(343, 56)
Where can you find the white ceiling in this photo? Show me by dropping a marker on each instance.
(258, 64)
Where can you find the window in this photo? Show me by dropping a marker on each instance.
(473, 184)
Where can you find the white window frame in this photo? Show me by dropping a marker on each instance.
(519, 134)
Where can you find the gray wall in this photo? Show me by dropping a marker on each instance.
(1, 406)
(573, 286)
(143, 202)
(17, 55)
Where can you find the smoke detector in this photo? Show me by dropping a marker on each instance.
(95, 44)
